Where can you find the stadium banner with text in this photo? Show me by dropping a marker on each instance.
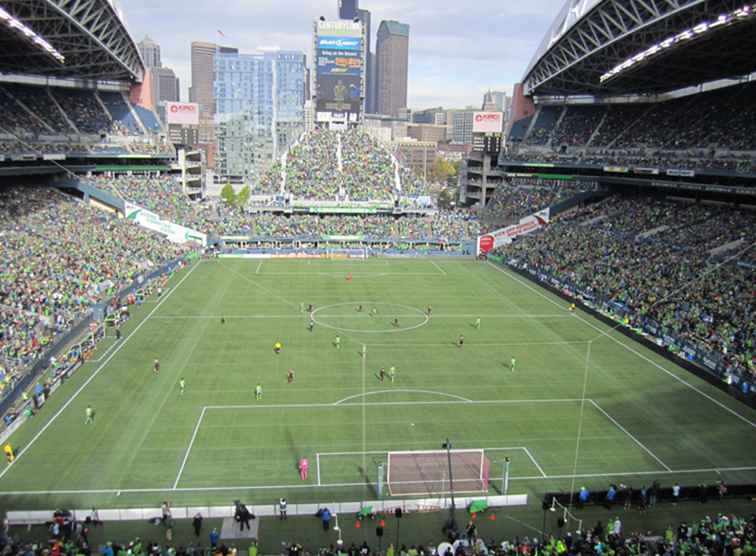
(339, 63)
(352, 44)
(182, 113)
(488, 122)
(504, 236)
(174, 232)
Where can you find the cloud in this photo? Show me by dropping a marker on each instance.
(458, 50)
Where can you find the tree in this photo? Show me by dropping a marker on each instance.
(242, 198)
(227, 194)
(444, 170)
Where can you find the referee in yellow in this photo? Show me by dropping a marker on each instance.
(9, 453)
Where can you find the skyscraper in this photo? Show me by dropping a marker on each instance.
(348, 9)
(150, 51)
(392, 67)
(166, 85)
(259, 108)
(203, 54)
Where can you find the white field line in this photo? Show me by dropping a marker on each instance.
(364, 408)
(93, 375)
(104, 355)
(483, 344)
(364, 316)
(540, 469)
(365, 394)
(341, 404)
(110, 491)
(629, 348)
(342, 274)
(317, 466)
(628, 433)
(441, 270)
(259, 266)
(189, 448)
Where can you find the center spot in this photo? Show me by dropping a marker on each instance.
(369, 317)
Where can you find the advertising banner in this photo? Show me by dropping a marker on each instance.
(174, 232)
(352, 44)
(182, 113)
(504, 236)
(339, 93)
(488, 122)
(339, 63)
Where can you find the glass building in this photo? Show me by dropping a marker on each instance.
(259, 109)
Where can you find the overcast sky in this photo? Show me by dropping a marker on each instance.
(458, 48)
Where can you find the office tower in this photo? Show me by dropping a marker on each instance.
(392, 66)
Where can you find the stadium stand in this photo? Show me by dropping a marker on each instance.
(726, 534)
(83, 110)
(543, 127)
(312, 169)
(39, 102)
(675, 267)
(518, 197)
(368, 167)
(120, 112)
(60, 258)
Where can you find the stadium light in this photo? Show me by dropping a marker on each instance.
(21, 29)
(736, 16)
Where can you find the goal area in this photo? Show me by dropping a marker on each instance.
(420, 473)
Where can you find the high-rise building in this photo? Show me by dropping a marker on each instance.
(203, 54)
(350, 10)
(166, 84)
(494, 101)
(259, 109)
(150, 51)
(462, 126)
(392, 67)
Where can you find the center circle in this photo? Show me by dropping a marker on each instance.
(369, 317)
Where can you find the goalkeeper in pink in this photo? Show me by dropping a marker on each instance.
(304, 468)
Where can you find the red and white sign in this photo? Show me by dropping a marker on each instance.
(488, 122)
(504, 236)
(182, 113)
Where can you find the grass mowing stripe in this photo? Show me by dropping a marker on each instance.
(629, 348)
(94, 374)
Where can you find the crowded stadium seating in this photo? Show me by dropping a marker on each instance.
(515, 198)
(715, 534)
(679, 266)
(368, 167)
(710, 130)
(60, 258)
(312, 170)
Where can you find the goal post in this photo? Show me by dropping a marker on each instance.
(420, 473)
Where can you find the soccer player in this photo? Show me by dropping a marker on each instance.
(392, 373)
(9, 454)
(477, 323)
(258, 392)
(304, 468)
(373, 312)
(512, 364)
(156, 366)
(572, 307)
(337, 342)
(382, 374)
(358, 308)
(277, 347)
(310, 308)
(89, 413)
(290, 376)
(182, 386)
(396, 322)
(311, 325)
(349, 277)
(223, 321)
(429, 311)
(460, 341)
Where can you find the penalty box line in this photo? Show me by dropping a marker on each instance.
(457, 400)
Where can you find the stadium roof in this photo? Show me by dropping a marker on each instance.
(88, 34)
(653, 46)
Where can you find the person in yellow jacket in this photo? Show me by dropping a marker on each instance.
(10, 455)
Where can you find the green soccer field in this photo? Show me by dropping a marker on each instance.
(584, 405)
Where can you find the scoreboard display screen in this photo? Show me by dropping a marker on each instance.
(183, 134)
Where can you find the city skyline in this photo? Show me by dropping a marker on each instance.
(457, 52)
